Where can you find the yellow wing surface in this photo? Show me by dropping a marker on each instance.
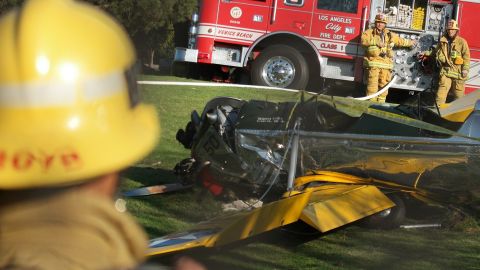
(460, 109)
(325, 207)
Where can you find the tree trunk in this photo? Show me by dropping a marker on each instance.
(152, 54)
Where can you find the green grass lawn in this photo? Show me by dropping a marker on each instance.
(351, 247)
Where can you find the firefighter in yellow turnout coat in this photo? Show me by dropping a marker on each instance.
(378, 61)
(70, 121)
(453, 56)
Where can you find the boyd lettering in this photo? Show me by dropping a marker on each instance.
(24, 160)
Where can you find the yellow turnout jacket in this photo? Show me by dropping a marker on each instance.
(454, 58)
(73, 231)
(377, 56)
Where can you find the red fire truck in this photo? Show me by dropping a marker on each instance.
(288, 43)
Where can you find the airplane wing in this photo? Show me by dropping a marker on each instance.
(325, 207)
(332, 206)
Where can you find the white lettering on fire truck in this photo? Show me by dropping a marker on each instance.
(231, 33)
(334, 27)
(335, 36)
(329, 46)
(244, 35)
(333, 47)
(349, 30)
(335, 19)
(325, 35)
(257, 18)
(226, 33)
(234, 33)
(341, 20)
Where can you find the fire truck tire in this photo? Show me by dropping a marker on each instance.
(280, 66)
(180, 69)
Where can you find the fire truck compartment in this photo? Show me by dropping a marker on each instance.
(186, 55)
(228, 55)
(338, 68)
(412, 15)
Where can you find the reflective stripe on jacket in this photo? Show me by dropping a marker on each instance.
(381, 57)
(444, 55)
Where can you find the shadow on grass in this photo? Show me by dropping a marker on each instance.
(247, 254)
(165, 213)
(401, 249)
(297, 247)
(148, 176)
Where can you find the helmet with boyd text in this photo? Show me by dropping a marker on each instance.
(380, 17)
(69, 108)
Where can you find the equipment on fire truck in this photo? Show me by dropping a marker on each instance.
(404, 18)
(437, 16)
(290, 46)
(409, 19)
(418, 18)
(416, 15)
(406, 14)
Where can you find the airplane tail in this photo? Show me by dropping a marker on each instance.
(471, 126)
(460, 109)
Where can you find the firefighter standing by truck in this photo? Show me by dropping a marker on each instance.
(378, 61)
(453, 57)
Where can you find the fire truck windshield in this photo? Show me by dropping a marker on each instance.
(349, 6)
(297, 3)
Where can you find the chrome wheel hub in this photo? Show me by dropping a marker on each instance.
(278, 71)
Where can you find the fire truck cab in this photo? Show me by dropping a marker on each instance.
(288, 43)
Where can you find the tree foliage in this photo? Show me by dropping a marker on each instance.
(148, 22)
(5, 5)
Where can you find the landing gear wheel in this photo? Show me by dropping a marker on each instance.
(389, 218)
(280, 66)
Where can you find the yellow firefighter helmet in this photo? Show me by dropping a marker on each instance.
(452, 25)
(380, 17)
(68, 103)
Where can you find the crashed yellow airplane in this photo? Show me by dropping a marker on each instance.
(337, 160)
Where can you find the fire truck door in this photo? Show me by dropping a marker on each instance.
(291, 16)
(468, 20)
(336, 27)
(242, 21)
